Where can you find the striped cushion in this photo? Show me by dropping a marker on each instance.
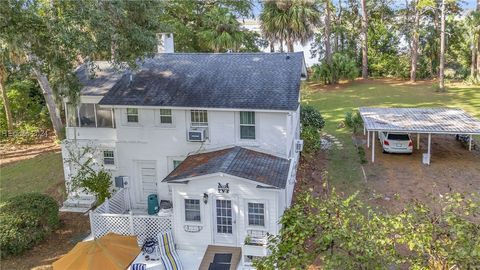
(138, 266)
(169, 256)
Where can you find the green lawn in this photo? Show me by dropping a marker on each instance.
(44, 173)
(344, 167)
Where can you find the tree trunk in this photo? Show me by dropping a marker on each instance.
(281, 45)
(415, 41)
(473, 66)
(441, 75)
(272, 46)
(6, 105)
(290, 45)
(364, 41)
(478, 44)
(328, 49)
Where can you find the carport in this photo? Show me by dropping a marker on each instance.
(418, 121)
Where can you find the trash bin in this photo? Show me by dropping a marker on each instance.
(152, 204)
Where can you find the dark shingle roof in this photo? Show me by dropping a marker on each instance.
(237, 161)
(103, 78)
(206, 80)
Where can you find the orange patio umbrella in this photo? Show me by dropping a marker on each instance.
(112, 251)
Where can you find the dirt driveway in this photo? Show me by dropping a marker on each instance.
(396, 179)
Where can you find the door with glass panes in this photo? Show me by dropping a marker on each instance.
(225, 220)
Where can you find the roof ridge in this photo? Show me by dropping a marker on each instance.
(231, 53)
(229, 159)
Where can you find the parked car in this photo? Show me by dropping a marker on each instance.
(396, 142)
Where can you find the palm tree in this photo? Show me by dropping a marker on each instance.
(223, 31)
(289, 21)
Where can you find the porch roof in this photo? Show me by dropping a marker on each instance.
(236, 161)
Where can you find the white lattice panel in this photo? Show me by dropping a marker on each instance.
(150, 226)
(103, 224)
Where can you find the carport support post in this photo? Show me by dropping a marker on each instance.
(373, 146)
(470, 143)
(418, 141)
(429, 142)
(368, 139)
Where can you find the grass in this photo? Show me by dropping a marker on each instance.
(333, 102)
(44, 173)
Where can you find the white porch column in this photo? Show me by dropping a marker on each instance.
(418, 141)
(470, 143)
(364, 130)
(368, 139)
(373, 146)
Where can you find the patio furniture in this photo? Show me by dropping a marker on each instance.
(112, 251)
(168, 254)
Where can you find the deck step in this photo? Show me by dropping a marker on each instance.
(80, 204)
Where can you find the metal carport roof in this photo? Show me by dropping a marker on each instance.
(418, 120)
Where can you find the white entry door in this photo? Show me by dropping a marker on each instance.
(225, 222)
(147, 180)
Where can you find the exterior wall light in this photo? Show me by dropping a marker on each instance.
(205, 198)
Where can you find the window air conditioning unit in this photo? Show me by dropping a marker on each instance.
(196, 135)
(298, 145)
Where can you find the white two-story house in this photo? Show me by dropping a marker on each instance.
(216, 135)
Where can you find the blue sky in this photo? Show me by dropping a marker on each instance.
(466, 4)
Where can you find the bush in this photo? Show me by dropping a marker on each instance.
(26, 133)
(311, 117)
(343, 68)
(353, 120)
(25, 220)
(311, 139)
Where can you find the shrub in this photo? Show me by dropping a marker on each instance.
(98, 183)
(25, 220)
(311, 139)
(343, 68)
(311, 117)
(353, 120)
(26, 133)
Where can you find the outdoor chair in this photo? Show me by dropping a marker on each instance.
(168, 254)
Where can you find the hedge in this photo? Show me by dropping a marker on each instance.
(25, 220)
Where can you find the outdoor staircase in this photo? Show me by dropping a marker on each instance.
(78, 204)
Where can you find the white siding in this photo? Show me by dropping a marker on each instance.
(241, 191)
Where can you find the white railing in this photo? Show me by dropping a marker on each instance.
(114, 215)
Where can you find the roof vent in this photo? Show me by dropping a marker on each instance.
(288, 57)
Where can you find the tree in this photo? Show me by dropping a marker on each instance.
(289, 21)
(415, 41)
(6, 103)
(344, 233)
(56, 36)
(222, 31)
(364, 40)
(441, 74)
(196, 22)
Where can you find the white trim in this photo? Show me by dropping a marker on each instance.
(266, 217)
(202, 210)
(200, 177)
(197, 108)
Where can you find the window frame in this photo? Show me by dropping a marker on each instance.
(160, 115)
(248, 202)
(254, 125)
(127, 114)
(113, 157)
(198, 124)
(185, 199)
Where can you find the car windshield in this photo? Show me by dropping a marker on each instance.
(399, 137)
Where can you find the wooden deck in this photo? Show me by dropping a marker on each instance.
(211, 250)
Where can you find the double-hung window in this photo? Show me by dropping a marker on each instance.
(132, 115)
(108, 157)
(198, 118)
(192, 210)
(247, 125)
(256, 214)
(166, 117)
